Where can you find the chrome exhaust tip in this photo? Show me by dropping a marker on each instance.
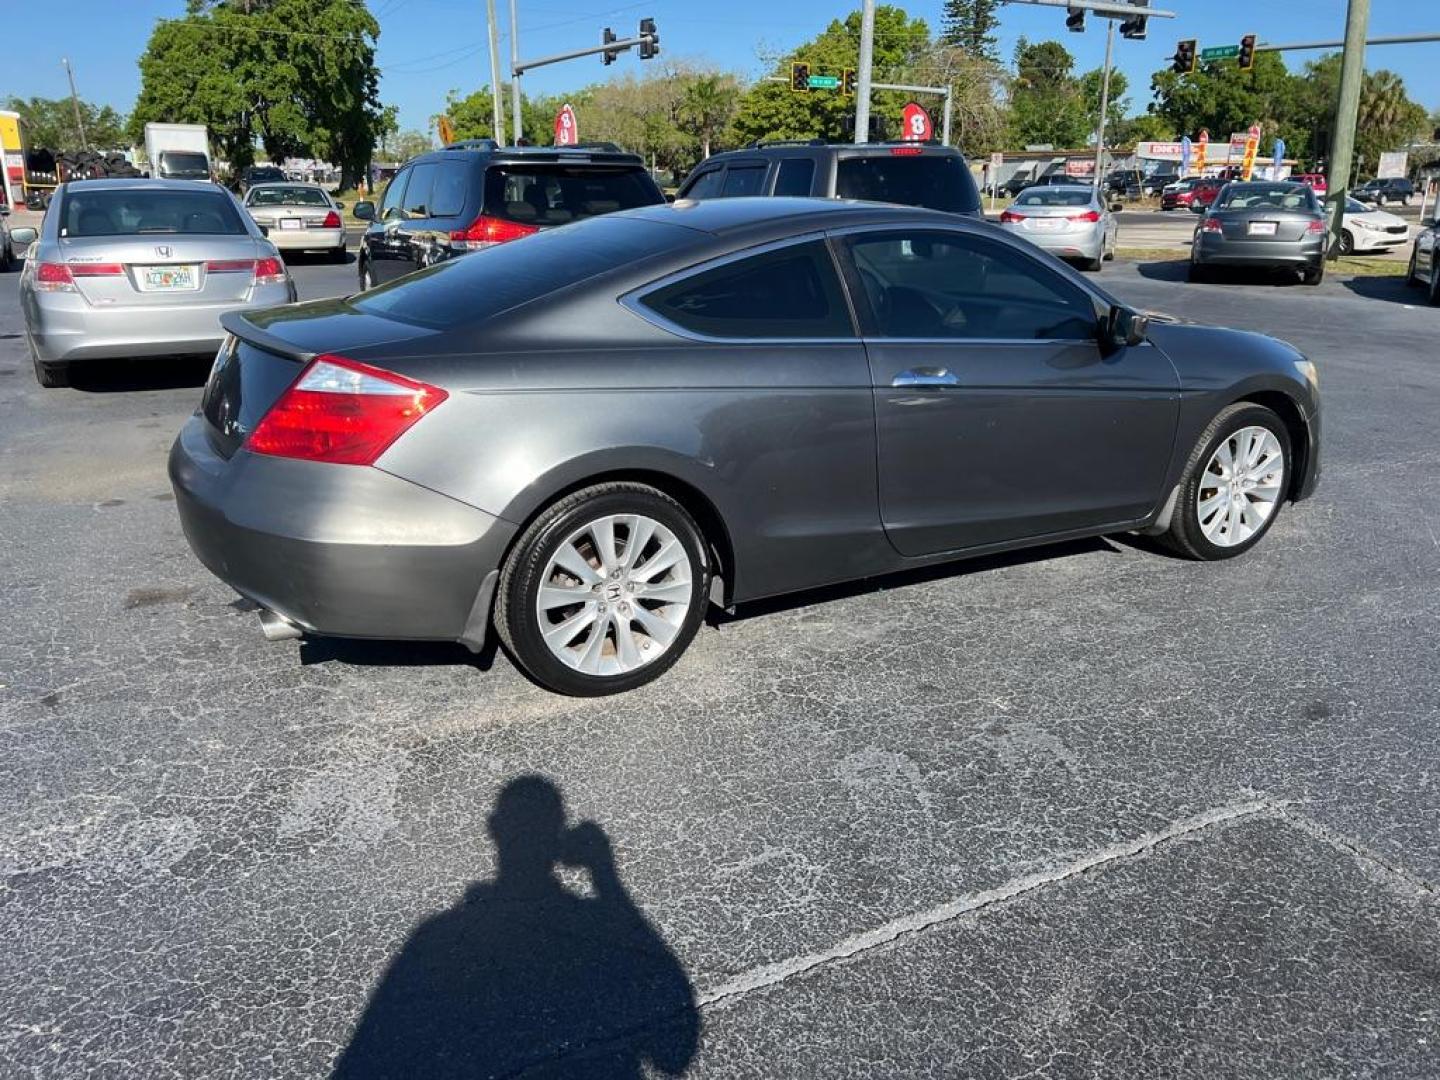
(276, 627)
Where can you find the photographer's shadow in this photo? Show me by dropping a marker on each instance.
(522, 975)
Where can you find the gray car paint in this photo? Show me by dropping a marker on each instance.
(772, 444)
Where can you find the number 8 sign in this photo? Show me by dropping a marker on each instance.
(918, 126)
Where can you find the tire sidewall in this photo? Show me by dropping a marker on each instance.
(531, 555)
(1187, 515)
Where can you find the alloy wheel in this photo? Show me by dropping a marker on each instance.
(1241, 486)
(614, 595)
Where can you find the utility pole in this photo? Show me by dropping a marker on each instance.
(1104, 106)
(1342, 148)
(497, 108)
(516, 126)
(75, 101)
(867, 62)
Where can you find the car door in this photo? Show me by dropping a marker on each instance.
(416, 235)
(998, 415)
(383, 249)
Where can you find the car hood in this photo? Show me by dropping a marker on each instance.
(1379, 218)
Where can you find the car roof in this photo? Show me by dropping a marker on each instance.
(807, 147)
(288, 184)
(1060, 187)
(596, 153)
(142, 184)
(783, 214)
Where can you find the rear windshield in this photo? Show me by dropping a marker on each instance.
(274, 196)
(938, 182)
(96, 212)
(465, 291)
(1269, 196)
(184, 164)
(544, 194)
(1055, 196)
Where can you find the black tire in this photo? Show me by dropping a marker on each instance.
(1185, 535)
(51, 376)
(1411, 281)
(1198, 274)
(517, 622)
(366, 280)
(1313, 275)
(1347, 242)
(1434, 278)
(7, 258)
(338, 255)
(1095, 265)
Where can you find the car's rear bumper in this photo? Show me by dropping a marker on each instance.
(307, 239)
(1085, 243)
(1213, 250)
(65, 326)
(341, 550)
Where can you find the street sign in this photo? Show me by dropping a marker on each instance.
(447, 131)
(916, 123)
(567, 131)
(824, 82)
(1220, 52)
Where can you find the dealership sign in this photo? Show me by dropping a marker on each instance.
(567, 132)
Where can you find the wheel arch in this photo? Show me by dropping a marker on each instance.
(1296, 426)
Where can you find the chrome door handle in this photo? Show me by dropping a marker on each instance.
(925, 376)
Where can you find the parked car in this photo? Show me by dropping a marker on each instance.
(298, 217)
(912, 174)
(1316, 180)
(1391, 190)
(7, 246)
(474, 194)
(261, 174)
(1148, 186)
(1193, 194)
(1072, 222)
(1018, 183)
(1367, 229)
(1275, 225)
(138, 268)
(1424, 270)
(585, 437)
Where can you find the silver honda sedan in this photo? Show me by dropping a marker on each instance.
(1068, 220)
(140, 268)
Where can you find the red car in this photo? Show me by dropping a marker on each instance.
(1314, 179)
(1191, 193)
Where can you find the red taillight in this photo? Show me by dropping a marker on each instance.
(905, 151)
(96, 269)
(269, 271)
(342, 412)
(53, 277)
(332, 221)
(1315, 227)
(1089, 215)
(1008, 218)
(1212, 225)
(484, 231)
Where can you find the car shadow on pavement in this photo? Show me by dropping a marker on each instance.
(1178, 270)
(365, 652)
(1389, 288)
(525, 975)
(150, 373)
(717, 616)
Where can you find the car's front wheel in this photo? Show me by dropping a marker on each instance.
(1410, 279)
(604, 590)
(1234, 484)
(367, 281)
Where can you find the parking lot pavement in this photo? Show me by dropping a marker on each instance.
(1087, 810)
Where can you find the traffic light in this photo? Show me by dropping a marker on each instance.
(650, 39)
(800, 77)
(848, 82)
(1134, 27)
(1184, 57)
(1075, 20)
(1245, 58)
(606, 37)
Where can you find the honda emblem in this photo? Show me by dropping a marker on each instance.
(164, 250)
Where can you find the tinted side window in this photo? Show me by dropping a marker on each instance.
(795, 177)
(949, 285)
(447, 198)
(391, 205)
(936, 181)
(791, 292)
(706, 185)
(743, 180)
(420, 190)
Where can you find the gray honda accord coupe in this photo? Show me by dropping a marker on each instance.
(585, 437)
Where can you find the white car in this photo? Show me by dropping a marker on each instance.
(298, 217)
(1368, 229)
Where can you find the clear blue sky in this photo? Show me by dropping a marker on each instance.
(430, 46)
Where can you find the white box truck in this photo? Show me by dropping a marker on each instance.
(178, 151)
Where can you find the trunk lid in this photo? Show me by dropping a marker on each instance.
(1264, 224)
(162, 269)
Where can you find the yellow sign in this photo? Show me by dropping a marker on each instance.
(447, 132)
(1252, 144)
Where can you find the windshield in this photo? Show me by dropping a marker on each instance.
(277, 196)
(544, 194)
(184, 165)
(1057, 196)
(1271, 196)
(1353, 206)
(934, 181)
(135, 212)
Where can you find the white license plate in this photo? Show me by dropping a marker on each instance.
(1046, 223)
(1261, 228)
(168, 278)
(290, 223)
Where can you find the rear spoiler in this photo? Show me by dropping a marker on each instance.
(235, 323)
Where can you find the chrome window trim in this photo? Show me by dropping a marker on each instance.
(634, 299)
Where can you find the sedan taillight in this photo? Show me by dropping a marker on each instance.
(1315, 227)
(332, 221)
(1212, 225)
(267, 271)
(342, 412)
(485, 230)
(1007, 218)
(1091, 216)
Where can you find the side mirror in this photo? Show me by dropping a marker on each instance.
(364, 211)
(24, 237)
(1123, 327)
(339, 205)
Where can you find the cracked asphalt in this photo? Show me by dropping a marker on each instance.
(1086, 811)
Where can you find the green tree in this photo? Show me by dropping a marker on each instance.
(1220, 97)
(1047, 103)
(50, 122)
(971, 24)
(409, 144)
(1091, 84)
(773, 111)
(707, 105)
(1144, 127)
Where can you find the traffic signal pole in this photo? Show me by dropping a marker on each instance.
(867, 62)
(1104, 107)
(1342, 148)
(497, 110)
(517, 131)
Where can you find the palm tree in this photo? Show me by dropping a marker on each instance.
(707, 106)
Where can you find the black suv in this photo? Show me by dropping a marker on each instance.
(475, 194)
(914, 174)
(1379, 192)
(261, 174)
